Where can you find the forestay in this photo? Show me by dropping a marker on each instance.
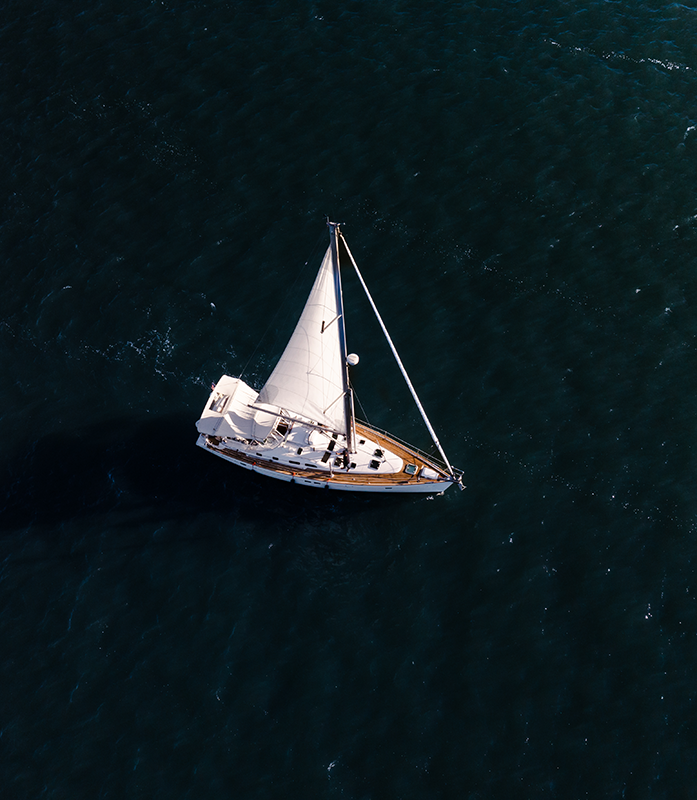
(309, 378)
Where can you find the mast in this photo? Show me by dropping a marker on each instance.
(334, 234)
(400, 365)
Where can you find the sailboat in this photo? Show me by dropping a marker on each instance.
(301, 427)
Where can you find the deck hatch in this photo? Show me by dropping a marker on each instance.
(219, 402)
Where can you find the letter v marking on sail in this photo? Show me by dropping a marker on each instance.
(325, 325)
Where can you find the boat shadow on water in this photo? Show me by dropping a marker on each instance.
(132, 472)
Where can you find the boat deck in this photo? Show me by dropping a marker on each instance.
(345, 478)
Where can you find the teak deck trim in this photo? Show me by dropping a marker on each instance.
(343, 476)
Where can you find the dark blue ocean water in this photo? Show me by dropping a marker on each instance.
(519, 185)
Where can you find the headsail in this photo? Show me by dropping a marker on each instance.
(309, 378)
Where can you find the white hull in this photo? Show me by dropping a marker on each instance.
(235, 428)
(335, 483)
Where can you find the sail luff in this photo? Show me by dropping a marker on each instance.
(399, 362)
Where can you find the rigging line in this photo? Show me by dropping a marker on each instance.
(300, 274)
(399, 362)
(365, 416)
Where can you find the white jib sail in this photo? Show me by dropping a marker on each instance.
(308, 379)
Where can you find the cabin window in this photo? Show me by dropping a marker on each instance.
(410, 469)
(361, 441)
(353, 465)
(378, 453)
(374, 464)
